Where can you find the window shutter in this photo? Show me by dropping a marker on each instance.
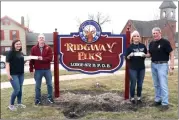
(17, 31)
(10, 34)
(2, 34)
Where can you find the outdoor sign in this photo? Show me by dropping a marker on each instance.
(90, 50)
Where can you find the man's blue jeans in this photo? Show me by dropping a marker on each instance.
(160, 81)
(38, 79)
(136, 76)
(17, 83)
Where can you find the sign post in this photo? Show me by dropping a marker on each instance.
(126, 93)
(56, 65)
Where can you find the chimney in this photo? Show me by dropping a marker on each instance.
(22, 20)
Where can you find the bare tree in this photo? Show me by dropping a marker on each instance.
(99, 18)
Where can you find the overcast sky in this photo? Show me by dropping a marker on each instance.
(44, 17)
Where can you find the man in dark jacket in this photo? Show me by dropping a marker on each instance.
(42, 68)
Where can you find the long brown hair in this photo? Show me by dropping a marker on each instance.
(13, 45)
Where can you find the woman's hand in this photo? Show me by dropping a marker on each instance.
(8, 71)
(130, 55)
(147, 55)
(9, 77)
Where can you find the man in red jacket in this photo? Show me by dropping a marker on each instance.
(42, 68)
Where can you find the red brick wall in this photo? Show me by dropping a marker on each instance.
(125, 27)
(169, 30)
(146, 40)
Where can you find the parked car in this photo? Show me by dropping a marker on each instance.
(3, 61)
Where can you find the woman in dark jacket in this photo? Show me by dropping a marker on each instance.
(135, 55)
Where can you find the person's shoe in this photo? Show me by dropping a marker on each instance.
(139, 101)
(164, 107)
(21, 106)
(50, 100)
(132, 100)
(156, 104)
(37, 102)
(12, 108)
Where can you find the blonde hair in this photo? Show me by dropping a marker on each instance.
(132, 34)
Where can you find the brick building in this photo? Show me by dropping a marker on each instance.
(167, 23)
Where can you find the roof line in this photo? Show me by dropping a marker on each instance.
(14, 22)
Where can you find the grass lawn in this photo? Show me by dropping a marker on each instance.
(27, 75)
(111, 83)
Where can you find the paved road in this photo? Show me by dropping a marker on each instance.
(147, 63)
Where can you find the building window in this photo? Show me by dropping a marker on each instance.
(171, 14)
(2, 34)
(7, 48)
(14, 34)
(164, 14)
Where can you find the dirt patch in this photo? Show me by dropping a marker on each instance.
(76, 104)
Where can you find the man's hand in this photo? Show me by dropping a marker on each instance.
(171, 71)
(171, 64)
(171, 68)
(40, 58)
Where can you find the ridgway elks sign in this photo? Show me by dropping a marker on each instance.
(90, 50)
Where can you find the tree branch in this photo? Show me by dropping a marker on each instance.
(99, 18)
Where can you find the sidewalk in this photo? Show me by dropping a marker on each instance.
(70, 77)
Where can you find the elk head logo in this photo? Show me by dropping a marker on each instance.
(89, 33)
